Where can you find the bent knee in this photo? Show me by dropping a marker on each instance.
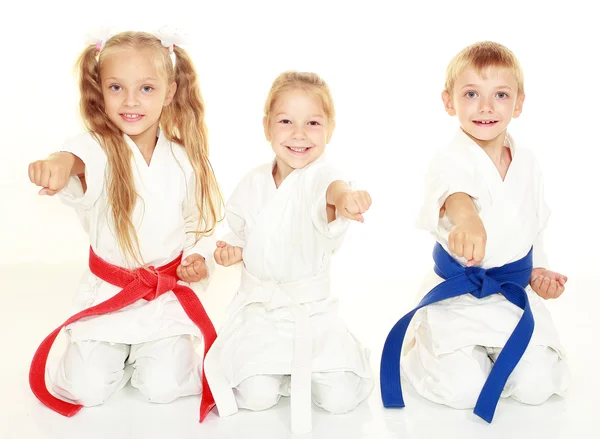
(166, 369)
(462, 392)
(538, 376)
(86, 387)
(88, 383)
(339, 392)
(459, 381)
(258, 392)
(161, 383)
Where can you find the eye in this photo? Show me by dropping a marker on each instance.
(314, 123)
(147, 88)
(285, 121)
(502, 95)
(471, 94)
(115, 87)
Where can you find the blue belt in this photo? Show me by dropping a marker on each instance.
(509, 280)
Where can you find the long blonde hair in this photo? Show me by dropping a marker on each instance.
(182, 122)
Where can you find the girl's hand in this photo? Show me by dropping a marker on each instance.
(192, 269)
(353, 204)
(227, 255)
(547, 284)
(53, 173)
(468, 239)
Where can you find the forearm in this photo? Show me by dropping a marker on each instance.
(335, 191)
(76, 164)
(459, 207)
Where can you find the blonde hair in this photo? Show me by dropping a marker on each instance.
(480, 56)
(182, 122)
(307, 81)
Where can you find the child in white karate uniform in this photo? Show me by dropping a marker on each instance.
(484, 203)
(283, 336)
(141, 182)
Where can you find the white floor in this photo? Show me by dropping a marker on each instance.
(35, 299)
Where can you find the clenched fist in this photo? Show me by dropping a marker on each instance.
(227, 255)
(192, 269)
(353, 204)
(53, 173)
(468, 240)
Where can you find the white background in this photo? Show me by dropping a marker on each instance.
(385, 63)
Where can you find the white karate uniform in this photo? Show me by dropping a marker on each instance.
(154, 343)
(451, 345)
(283, 320)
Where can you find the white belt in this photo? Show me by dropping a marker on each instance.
(290, 295)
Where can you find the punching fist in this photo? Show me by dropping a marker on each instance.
(52, 174)
(353, 204)
(468, 239)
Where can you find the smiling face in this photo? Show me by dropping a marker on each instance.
(134, 92)
(298, 129)
(484, 101)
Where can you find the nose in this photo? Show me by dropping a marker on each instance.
(131, 99)
(299, 132)
(485, 105)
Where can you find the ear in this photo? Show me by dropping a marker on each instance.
(266, 128)
(448, 105)
(330, 129)
(170, 93)
(519, 105)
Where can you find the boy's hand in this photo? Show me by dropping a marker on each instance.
(192, 269)
(353, 204)
(547, 284)
(53, 173)
(468, 240)
(227, 255)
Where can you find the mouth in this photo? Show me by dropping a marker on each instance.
(299, 151)
(485, 123)
(131, 117)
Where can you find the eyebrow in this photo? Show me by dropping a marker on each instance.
(148, 78)
(314, 115)
(475, 86)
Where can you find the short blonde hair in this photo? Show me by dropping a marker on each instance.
(480, 56)
(310, 82)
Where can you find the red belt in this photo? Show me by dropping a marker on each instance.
(142, 283)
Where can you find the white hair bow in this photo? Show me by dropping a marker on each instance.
(170, 36)
(99, 36)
